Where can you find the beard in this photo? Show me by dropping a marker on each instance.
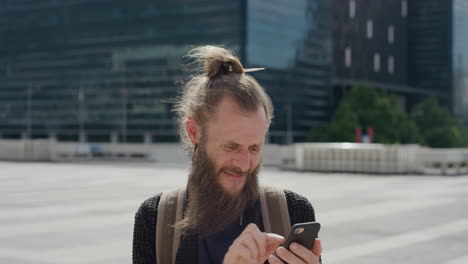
(210, 209)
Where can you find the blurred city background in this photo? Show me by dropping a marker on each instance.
(371, 112)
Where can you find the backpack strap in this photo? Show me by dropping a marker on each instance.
(170, 211)
(275, 213)
(274, 208)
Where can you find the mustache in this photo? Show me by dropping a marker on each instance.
(235, 171)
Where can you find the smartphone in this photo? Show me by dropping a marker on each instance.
(304, 234)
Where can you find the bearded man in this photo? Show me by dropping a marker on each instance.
(224, 115)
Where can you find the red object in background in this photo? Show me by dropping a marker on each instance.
(358, 134)
(370, 133)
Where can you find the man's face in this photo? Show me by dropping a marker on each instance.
(234, 142)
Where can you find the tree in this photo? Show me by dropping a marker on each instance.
(438, 127)
(342, 130)
(364, 107)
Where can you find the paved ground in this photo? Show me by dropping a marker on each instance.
(83, 213)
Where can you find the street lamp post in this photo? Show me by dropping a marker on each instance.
(81, 98)
(289, 125)
(124, 114)
(29, 112)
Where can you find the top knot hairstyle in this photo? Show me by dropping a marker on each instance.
(223, 75)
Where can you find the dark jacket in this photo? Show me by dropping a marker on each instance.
(144, 232)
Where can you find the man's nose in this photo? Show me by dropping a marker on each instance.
(242, 160)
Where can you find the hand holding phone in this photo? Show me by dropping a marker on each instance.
(304, 234)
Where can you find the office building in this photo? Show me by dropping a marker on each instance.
(460, 59)
(410, 48)
(103, 70)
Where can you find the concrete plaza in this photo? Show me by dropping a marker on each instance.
(84, 212)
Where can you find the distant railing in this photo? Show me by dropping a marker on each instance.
(319, 157)
(51, 150)
(374, 158)
(105, 151)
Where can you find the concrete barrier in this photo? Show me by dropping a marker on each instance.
(444, 161)
(61, 151)
(51, 150)
(25, 150)
(374, 158)
(321, 157)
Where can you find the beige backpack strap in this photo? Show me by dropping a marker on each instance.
(275, 213)
(170, 211)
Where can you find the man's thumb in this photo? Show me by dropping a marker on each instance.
(273, 241)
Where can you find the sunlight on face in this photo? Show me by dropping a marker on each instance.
(234, 142)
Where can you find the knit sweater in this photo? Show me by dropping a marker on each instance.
(144, 232)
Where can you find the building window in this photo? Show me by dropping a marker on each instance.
(116, 12)
(391, 65)
(391, 34)
(376, 62)
(348, 57)
(352, 8)
(370, 29)
(404, 8)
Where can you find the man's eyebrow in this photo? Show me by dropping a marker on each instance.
(237, 144)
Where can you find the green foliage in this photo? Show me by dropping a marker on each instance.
(430, 124)
(437, 126)
(364, 107)
(342, 130)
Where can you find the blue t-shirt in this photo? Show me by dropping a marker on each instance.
(211, 250)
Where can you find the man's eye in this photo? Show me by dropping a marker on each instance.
(230, 147)
(255, 149)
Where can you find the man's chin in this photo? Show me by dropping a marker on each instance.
(232, 192)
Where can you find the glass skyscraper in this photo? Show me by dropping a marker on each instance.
(103, 70)
(460, 58)
(430, 47)
(438, 51)
(292, 39)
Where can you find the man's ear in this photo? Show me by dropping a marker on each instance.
(193, 130)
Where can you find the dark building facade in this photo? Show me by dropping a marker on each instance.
(100, 70)
(370, 45)
(460, 58)
(438, 49)
(370, 41)
(430, 47)
(412, 48)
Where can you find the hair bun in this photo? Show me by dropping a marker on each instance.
(216, 61)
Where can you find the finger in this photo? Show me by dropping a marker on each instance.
(317, 248)
(305, 254)
(259, 238)
(245, 254)
(274, 260)
(252, 232)
(288, 257)
(251, 228)
(249, 242)
(272, 242)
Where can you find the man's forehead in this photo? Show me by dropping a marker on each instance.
(243, 130)
(229, 107)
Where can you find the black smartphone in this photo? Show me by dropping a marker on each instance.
(304, 234)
